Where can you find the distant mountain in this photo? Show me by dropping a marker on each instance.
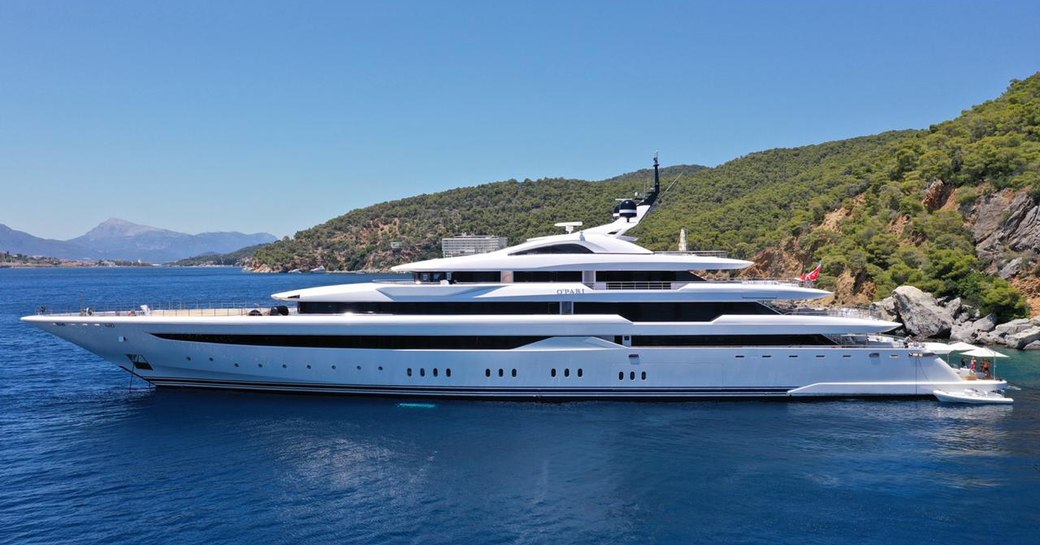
(20, 242)
(120, 239)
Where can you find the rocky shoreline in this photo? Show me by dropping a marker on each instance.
(924, 316)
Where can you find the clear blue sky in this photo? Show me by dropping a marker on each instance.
(258, 116)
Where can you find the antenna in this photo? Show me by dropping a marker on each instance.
(569, 226)
(657, 177)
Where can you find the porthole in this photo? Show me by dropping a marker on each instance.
(820, 356)
(501, 372)
(740, 356)
(846, 355)
(333, 366)
(308, 366)
(487, 373)
(236, 365)
(621, 375)
(211, 359)
(409, 371)
(566, 372)
(261, 365)
(189, 358)
(514, 373)
(766, 356)
(632, 375)
(552, 373)
(380, 367)
(447, 372)
(284, 366)
(358, 367)
(434, 371)
(579, 372)
(422, 371)
(792, 355)
(642, 375)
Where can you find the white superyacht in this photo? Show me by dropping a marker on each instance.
(583, 315)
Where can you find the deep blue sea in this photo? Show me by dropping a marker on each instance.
(86, 456)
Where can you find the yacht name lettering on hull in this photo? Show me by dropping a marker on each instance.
(569, 291)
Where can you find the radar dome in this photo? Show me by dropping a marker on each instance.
(627, 209)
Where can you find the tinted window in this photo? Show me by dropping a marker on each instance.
(647, 276)
(673, 312)
(400, 342)
(445, 307)
(556, 249)
(547, 276)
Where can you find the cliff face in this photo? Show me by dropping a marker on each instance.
(1006, 232)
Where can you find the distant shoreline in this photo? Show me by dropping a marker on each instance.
(94, 265)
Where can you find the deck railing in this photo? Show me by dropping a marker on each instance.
(175, 309)
(702, 253)
(862, 313)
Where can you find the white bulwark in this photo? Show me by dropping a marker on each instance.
(472, 244)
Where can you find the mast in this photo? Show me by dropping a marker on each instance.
(651, 196)
(657, 177)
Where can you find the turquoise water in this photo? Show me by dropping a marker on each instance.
(88, 457)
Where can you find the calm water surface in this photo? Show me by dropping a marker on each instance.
(88, 457)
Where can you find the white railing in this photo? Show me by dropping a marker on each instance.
(636, 285)
(702, 253)
(176, 309)
(862, 313)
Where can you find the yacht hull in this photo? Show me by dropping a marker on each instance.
(569, 366)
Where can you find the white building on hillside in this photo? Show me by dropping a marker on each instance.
(472, 244)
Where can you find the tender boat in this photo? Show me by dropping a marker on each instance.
(973, 396)
(579, 315)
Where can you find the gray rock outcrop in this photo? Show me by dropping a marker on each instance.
(924, 316)
(885, 309)
(921, 314)
(1006, 221)
(1023, 338)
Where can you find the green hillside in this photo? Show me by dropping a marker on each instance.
(879, 210)
(361, 238)
(237, 258)
(890, 231)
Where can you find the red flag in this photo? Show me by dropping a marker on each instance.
(812, 275)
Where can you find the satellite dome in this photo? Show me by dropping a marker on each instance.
(627, 209)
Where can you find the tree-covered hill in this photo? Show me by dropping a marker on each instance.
(360, 239)
(238, 258)
(910, 207)
(952, 209)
